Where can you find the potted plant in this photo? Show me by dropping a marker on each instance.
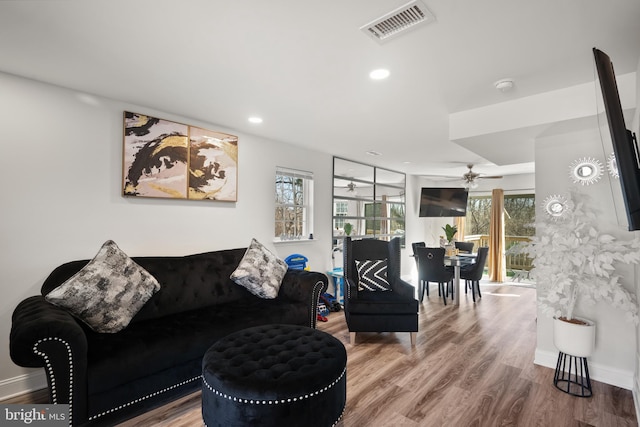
(347, 228)
(574, 261)
(450, 232)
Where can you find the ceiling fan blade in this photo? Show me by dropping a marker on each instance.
(491, 177)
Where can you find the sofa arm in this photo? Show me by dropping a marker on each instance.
(304, 286)
(300, 285)
(44, 335)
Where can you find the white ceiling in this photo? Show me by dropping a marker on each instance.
(303, 66)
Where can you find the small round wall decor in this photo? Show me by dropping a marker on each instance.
(586, 171)
(556, 206)
(612, 166)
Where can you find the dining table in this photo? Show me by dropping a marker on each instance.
(457, 261)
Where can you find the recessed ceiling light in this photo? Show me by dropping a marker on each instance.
(379, 74)
(255, 120)
(504, 85)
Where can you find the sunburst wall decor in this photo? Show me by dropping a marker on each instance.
(556, 206)
(586, 171)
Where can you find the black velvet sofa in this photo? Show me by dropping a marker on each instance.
(109, 377)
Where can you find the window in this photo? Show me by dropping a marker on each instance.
(368, 201)
(478, 216)
(519, 215)
(340, 210)
(293, 208)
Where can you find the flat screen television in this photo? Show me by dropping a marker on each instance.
(625, 144)
(443, 201)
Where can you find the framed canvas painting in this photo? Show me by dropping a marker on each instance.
(166, 159)
(213, 165)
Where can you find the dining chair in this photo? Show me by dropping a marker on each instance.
(415, 245)
(472, 273)
(431, 268)
(466, 247)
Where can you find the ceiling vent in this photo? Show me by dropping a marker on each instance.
(396, 22)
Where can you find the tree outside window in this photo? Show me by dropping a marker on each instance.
(293, 196)
(519, 215)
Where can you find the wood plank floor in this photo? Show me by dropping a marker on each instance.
(472, 366)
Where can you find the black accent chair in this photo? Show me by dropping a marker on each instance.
(431, 268)
(472, 273)
(395, 310)
(466, 247)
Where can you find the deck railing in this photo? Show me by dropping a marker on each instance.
(514, 261)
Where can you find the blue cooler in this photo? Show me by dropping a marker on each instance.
(297, 261)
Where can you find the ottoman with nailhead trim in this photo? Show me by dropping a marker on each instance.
(274, 375)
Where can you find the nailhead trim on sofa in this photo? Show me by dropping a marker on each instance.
(315, 294)
(140, 399)
(49, 370)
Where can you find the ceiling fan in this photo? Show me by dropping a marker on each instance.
(350, 187)
(469, 178)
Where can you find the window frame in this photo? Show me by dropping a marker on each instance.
(302, 209)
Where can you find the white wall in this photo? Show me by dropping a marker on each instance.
(613, 359)
(61, 169)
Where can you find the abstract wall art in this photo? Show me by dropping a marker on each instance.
(172, 160)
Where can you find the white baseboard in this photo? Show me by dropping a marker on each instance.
(22, 384)
(597, 372)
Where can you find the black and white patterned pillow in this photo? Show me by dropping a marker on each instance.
(372, 275)
(107, 292)
(260, 271)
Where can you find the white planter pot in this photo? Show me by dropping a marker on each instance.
(573, 339)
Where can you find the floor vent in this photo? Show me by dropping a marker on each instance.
(398, 21)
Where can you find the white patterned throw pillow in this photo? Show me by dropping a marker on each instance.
(372, 275)
(260, 271)
(107, 292)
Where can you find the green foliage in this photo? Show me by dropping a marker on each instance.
(450, 231)
(347, 228)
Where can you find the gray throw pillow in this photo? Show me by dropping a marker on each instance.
(260, 271)
(107, 292)
(372, 275)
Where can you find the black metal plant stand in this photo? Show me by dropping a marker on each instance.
(572, 375)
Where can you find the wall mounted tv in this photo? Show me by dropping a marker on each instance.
(443, 201)
(625, 144)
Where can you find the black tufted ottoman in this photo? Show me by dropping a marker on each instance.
(274, 375)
